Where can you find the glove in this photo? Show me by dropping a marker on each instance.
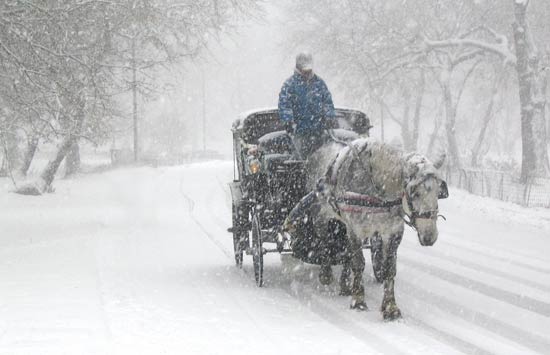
(329, 123)
(288, 226)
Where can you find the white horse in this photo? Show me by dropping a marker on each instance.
(374, 189)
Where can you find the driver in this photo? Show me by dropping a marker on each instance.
(305, 105)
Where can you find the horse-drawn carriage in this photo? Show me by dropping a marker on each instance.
(269, 182)
(361, 192)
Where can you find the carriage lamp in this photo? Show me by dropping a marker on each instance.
(254, 165)
(253, 162)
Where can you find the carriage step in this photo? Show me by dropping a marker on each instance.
(277, 251)
(244, 228)
(249, 251)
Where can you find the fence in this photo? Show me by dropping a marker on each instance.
(501, 185)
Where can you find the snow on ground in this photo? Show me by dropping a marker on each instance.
(138, 261)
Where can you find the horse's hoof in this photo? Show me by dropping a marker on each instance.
(359, 306)
(391, 314)
(345, 291)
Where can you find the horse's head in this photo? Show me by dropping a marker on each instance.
(423, 189)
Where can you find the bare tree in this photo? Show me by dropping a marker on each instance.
(154, 35)
(383, 44)
(54, 50)
(532, 80)
(64, 60)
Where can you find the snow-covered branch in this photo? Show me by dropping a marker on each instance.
(500, 48)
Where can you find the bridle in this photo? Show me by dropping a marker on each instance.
(414, 215)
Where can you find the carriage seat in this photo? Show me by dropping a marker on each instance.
(278, 142)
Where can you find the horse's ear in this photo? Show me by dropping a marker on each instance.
(443, 190)
(411, 168)
(439, 162)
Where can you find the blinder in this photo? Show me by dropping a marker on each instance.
(443, 190)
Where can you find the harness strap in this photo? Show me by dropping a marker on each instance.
(355, 199)
(352, 201)
(341, 159)
(334, 168)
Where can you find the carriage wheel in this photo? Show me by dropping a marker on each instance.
(377, 258)
(239, 237)
(257, 251)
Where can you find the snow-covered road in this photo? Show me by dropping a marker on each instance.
(138, 261)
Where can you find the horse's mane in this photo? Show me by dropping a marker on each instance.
(387, 165)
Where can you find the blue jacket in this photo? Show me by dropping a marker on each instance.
(307, 103)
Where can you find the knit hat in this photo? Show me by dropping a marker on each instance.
(304, 61)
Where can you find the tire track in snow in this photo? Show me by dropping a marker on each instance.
(492, 253)
(488, 270)
(334, 314)
(515, 299)
(229, 254)
(339, 320)
(191, 207)
(227, 192)
(470, 338)
(455, 233)
(448, 338)
(529, 340)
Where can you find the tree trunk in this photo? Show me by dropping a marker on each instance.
(134, 101)
(437, 125)
(532, 101)
(32, 145)
(405, 131)
(72, 160)
(48, 174)
(417, 110)
(476, 150)
(11, 152)
(450, 121)
(381, 122)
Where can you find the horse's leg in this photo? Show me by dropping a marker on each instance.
(389, 308)
(325, 275)
(357, 262)
(338, 233)
(345, 278)
(323, 231)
